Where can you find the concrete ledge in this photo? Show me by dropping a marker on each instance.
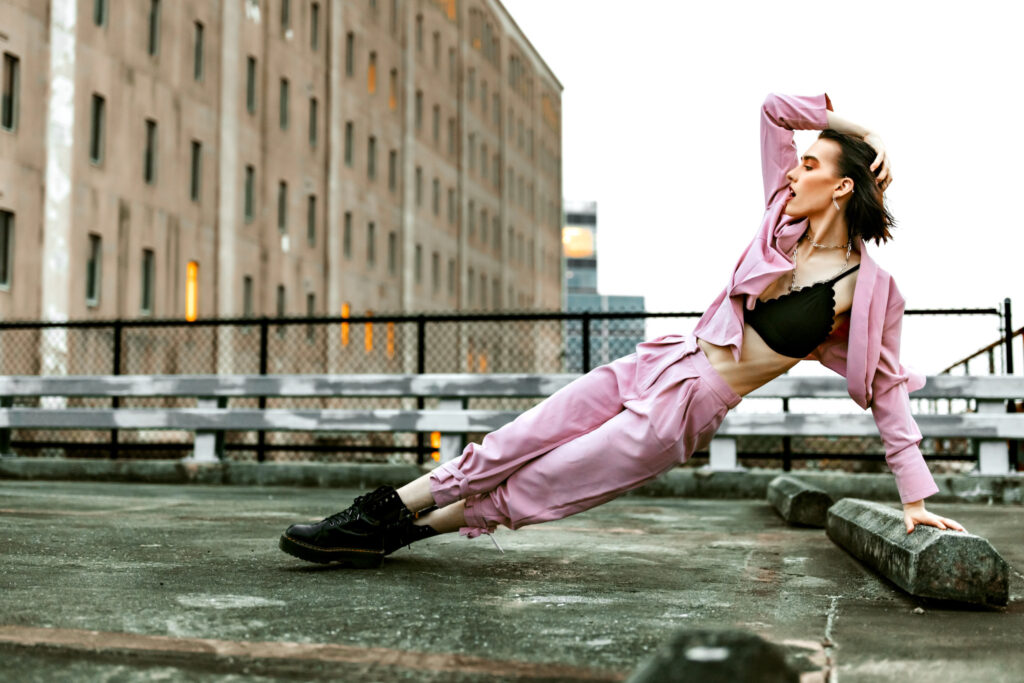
(688, 482)
(681, 482)
(929, 563)
(798, 502)
(357, 475)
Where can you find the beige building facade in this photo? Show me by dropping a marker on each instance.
(224, 158)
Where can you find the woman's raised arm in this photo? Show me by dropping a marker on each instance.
(780, 116)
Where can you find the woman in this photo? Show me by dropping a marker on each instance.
(805, 288)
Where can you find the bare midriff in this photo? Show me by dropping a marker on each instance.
(758, 363)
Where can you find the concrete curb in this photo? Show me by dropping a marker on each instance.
(678, 483)
(339, 475)
(753, 483)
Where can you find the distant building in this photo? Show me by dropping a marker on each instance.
(609, 339)
(274, 157)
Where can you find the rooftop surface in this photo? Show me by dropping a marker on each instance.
(105, 581)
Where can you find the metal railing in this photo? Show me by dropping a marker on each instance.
(546, 342)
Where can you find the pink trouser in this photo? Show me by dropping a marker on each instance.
(609, 431)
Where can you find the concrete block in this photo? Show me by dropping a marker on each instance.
(716, 656)
(798, 502)
(929, 563)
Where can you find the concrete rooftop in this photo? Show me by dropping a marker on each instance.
(106, 581)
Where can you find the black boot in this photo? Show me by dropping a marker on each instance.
(404, 532)
(354, 536)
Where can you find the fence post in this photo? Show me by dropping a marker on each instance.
(1011, 405)
(116, 401)
(261, 437)
(787, 446)
(421, 367)
(585, 323)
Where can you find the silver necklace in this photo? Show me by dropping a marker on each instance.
(848, 245)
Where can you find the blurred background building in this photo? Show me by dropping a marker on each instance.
(609, 339)
(223, 158)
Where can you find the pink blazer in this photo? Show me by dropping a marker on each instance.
(865, 349)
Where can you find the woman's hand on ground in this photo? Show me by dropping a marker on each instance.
(880, 166)
(914, 514)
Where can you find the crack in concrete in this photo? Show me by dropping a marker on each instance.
(831, 670)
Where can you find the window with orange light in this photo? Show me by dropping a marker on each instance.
(345, 310)
(192, 291)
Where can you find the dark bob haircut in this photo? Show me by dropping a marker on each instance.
(866, 213)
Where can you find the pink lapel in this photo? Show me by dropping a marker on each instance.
(864, 342)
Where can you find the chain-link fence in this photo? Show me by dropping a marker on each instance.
(401, 344)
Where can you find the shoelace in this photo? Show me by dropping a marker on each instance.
(346, 515)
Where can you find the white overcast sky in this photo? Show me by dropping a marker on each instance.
(660, 128)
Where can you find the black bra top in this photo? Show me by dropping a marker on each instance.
(794, 324)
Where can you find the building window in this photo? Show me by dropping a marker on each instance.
(418, 266)
(371, 74)
(451, 276)
(471, 84)
(9, 106)
(250, 181)
(472, 151)
(437, 50)
(346, 237)
(148, 263)
(419, 186)
(392, 252)
(419, 110)
(6, 248)
(452, 71)
(197, 53)
(196, 174)
(283, 117)
(472, 218)
(281, 298)
(247, 309)
(350, 54)
(419, 33)
(314, 27)
(192, 291)
(349, 142)
(149, 159)
(310, 312)
(154, 27)
(452, 212)
(393, 170)
(435, 271)
(282, 207)
(483, 161)
(483, 97)
(371, 246)
(393, 95)
(437, 123)
(97, 127)
(470, 292)
(99, 12)
(286, 15)
(250, 85)
(371, 158)
(394, 17)
(311, 220)
(451, 136)
(437, 197)
(93, 270)
(312, 121)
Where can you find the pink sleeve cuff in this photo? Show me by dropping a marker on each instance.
(913, 478)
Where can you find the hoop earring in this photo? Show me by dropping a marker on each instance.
(834, 203)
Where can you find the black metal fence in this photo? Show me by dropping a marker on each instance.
(436, 343)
